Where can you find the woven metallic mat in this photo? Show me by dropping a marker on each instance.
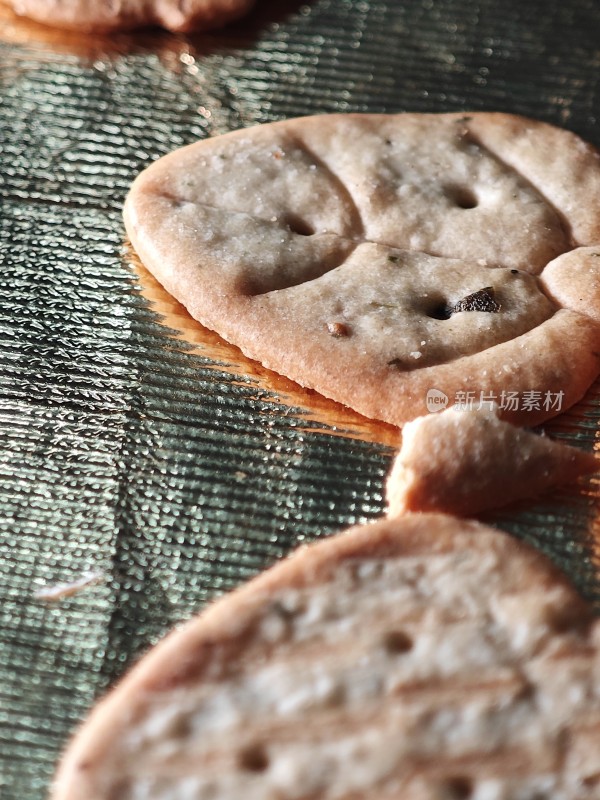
(133, 443)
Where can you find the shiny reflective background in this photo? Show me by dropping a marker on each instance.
(150, 450)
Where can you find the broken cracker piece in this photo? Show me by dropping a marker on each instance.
(467, 461)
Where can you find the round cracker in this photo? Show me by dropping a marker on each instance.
(112, 15)
(342, 251)
(423, 657)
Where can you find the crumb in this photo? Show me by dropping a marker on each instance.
(53, 593)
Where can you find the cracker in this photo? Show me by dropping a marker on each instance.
(468, 461)
(106, 15)
(423, 657)
(573, 281)
(375, 258)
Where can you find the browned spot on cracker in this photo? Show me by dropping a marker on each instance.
(458, 788)
(338, 329)
(254, 758)
(397, 642)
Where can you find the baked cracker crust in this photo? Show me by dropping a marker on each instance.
(465, 462)
(413, 657)
(111, 15)
(344, 251)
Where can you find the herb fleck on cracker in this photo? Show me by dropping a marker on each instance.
(482, 300)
